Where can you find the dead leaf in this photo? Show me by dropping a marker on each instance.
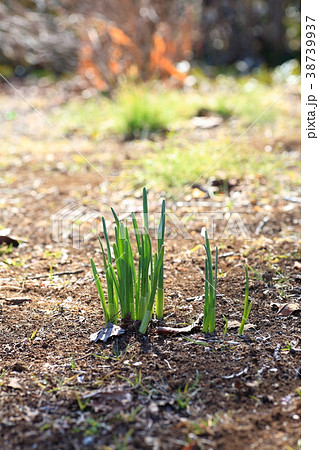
(236, 324)
(103, 397)
(9, 241)
(288, 308)
(233, 324)
(5, 238)
(109, 331)
(30, 414)
(14, 383)
(274, 306)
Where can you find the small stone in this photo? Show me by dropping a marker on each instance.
(88, 440)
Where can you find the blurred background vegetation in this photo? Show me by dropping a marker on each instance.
(105, 40)
(182, 76)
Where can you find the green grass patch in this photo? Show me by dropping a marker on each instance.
(140, 110)
(135, 112)
(246, 98)
(91, 117)
(179, 163)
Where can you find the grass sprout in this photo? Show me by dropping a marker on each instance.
(210, 289)
(184, 396)
(82, 404)
(160, 242)
(132, 290)
(226, 325)
(141, 109)
(247, 306)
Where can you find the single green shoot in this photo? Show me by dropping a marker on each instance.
(247, 306)
(1, 376)
(258, 275)
(226, 325)
(160, 290)
(122, 445)
(72, 362)
(137, 379)
(209, 323)
(288, 347)
(100, 292)
(82, 404)
(203, 344)
(134, 413)
(33, 335)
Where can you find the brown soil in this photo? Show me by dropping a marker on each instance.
(160, 391)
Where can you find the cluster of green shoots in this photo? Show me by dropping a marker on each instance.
(209, 323)
(135, 291)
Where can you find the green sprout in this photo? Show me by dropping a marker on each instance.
(130, 290)
(210, 289)
(82, 404)
(160, 291)
(184, 396)
(226, 325)
(247, 306)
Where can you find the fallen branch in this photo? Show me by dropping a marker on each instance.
(57, 274)
(183, 330)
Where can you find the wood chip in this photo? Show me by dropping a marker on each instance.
(17, 300)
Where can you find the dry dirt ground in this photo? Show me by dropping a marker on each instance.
(186, 391)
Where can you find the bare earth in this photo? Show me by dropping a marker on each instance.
(160, 391)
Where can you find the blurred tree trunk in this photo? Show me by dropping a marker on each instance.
(243, 30)
(275, 31)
